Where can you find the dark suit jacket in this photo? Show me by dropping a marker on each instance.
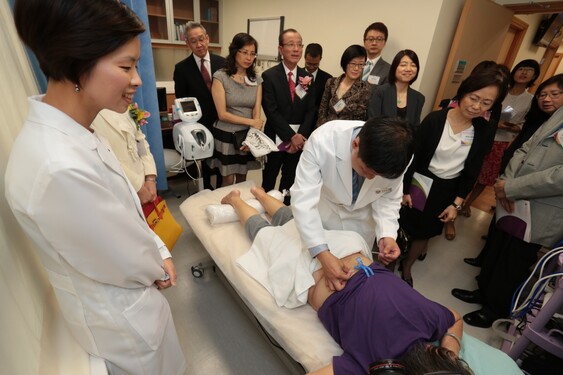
(189, 82)
(428, 137)
(280, 110)
(384, 102)
(381, 69)
(319, 86)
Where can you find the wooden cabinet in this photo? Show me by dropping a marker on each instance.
(167, 19)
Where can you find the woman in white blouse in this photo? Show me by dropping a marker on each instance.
(450, 145)
(514, 109)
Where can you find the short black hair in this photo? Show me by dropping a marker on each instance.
(528, 63)
(68, 37)
(386, 145)
(239, 41)
(377, 26)
(397, 60)
(355, 50)
(482, 79)
(314, 50)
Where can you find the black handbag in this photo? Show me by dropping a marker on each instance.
(239, 137)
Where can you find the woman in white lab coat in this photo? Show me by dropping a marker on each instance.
(69, 194)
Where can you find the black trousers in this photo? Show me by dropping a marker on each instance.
(277, 161)
(506, 265)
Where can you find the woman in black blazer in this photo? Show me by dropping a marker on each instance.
(396, 97)
(450, 146)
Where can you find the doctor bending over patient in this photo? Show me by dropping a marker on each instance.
(349, 177)
(374, 317)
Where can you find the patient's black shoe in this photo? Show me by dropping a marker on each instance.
(467, 295)
(483, 318)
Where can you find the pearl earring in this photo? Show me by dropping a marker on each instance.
(76, 88)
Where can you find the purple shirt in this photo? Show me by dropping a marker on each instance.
(378, 318)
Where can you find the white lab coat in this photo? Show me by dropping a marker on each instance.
(321, 196)
(70, 195)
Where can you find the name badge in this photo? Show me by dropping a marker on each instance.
(374, 80)
(467, 137)
(141, 150)
(339, 106)
(300, 91)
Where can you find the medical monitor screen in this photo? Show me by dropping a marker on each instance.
(188, 106)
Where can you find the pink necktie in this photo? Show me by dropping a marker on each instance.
(291, 85)
(205, 75)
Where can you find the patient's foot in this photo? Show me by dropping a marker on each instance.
(228, 199)
(258, 192)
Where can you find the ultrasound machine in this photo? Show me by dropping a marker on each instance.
(191, 139)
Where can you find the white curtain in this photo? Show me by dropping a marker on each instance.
(34, 339)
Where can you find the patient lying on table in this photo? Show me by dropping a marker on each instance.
(376, 316)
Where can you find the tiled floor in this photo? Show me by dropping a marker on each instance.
(217, 338)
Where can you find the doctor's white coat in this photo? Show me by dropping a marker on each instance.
(321, 196)
(69, 193)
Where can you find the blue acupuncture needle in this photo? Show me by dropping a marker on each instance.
(367, 270)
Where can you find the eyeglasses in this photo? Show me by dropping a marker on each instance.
(474, 99)
(247, 53)
(293, 45)
(356, 66)
(197, 40)
(552, 95)
(372, 40)
(527, 70)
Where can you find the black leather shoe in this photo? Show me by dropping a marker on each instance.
(475, 262)
(467, 295)
(480, 318)
(407, 280)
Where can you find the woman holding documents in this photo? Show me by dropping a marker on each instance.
(450, 145)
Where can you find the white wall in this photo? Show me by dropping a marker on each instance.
(426, 27)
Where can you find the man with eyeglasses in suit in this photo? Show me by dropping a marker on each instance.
(376, 69)
(191, 80)
(288, 100)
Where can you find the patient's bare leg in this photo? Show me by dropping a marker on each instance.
(243, 210)
(270, 204)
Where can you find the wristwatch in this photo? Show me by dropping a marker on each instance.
(456, 206)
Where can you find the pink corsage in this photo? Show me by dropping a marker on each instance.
(138, 115)
(305, 82)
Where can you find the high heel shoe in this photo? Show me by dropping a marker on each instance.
(449, 231)
(407, 280)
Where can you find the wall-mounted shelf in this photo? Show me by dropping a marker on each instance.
(167, 19)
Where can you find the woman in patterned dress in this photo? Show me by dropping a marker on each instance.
(237, 94)
(347, 97)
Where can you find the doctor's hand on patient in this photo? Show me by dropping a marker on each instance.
(170, 270)
(335, 271)
(389, 251)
